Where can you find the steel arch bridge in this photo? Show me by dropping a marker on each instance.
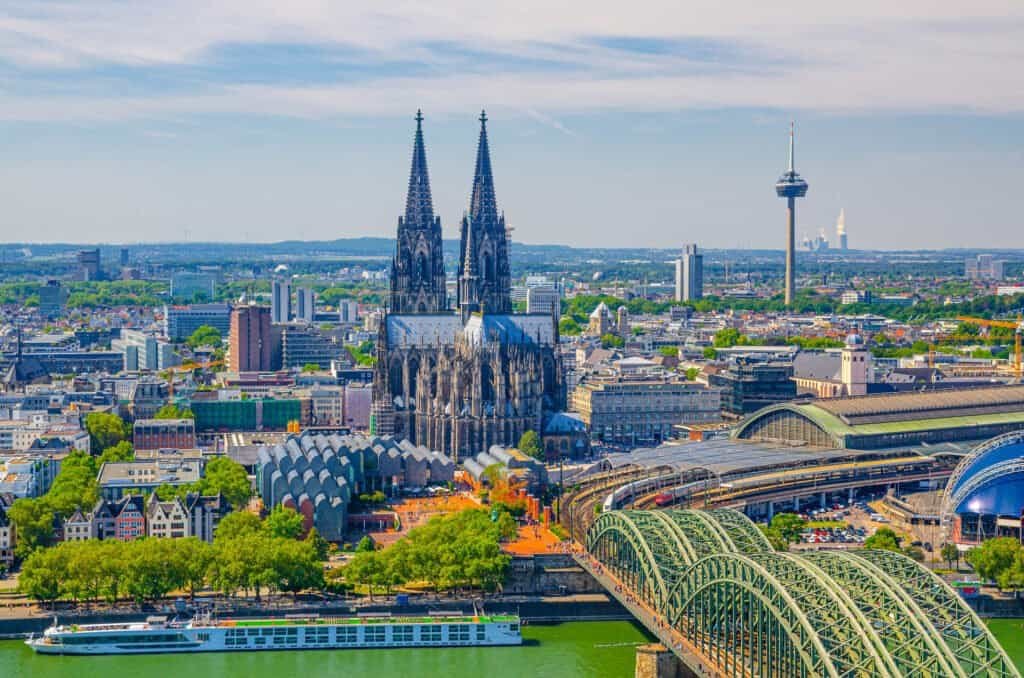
(713, 577)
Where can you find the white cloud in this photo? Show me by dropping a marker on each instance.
(844, 57)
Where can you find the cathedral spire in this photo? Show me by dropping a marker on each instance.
(417, 270)
(419, 207)
(483, 206)
(484, 248)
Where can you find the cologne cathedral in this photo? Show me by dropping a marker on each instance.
(460, 380)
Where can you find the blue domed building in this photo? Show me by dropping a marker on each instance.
(985, 494)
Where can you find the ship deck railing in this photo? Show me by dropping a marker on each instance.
(368, 621)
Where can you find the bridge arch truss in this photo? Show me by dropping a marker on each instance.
(713, 577)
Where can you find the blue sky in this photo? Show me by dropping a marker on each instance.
(611, 123)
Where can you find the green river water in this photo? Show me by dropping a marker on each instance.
(584, 649)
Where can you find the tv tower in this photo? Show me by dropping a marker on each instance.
(791, 186)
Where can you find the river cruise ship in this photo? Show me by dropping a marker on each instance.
(204, 634)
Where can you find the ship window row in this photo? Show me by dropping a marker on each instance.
(289, 637)
(125, 638)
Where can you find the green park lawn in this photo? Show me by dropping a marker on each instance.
(1010, 634)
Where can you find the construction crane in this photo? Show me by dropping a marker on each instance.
(187, 368)
(1018, 329)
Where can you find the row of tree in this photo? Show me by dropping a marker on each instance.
(999, 560)
(458, 551)
(247, 555)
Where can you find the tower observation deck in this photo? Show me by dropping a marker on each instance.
(791, 186)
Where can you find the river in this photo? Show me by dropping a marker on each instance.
(584, 649)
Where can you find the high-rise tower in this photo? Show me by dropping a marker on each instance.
(841, 229)
(417, 271)
(791, 186)
(484, 276)
(690, 274)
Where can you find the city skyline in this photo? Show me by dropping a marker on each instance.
(256, 123)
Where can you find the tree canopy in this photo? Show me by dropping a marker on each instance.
(285, 522)
(105, 429)
(529, 443)
(999, 560)
(460, 550)
(612, 341)
(227, 477)
(884, 539)
(205, 335)
(122, 451)
(172, 411)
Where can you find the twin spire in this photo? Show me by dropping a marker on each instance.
(419, 206)
(484, 279)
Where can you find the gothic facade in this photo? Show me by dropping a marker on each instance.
(460, 380)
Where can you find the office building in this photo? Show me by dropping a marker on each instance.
(118, 478)
(544, 299)
(144, 352)
(164, 434)
(630, 411)
(753, 382)
(690, 274)
(856, 297)
(52, 297)
(305, 305)
(88, 264)
(124, 257)
(984, 267)
(348, 311)
(280, 302)
(306, 345)
(187, 286)
(27, 474)
(253, 414)
(254, 345)
(180, 322)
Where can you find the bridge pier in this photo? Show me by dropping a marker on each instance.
(657, 661)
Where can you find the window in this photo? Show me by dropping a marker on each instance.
(375, 634)
(401, 634)
(458, 633)
(347, 635)
(430, 634)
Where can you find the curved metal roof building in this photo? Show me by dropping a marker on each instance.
(891, 420)
(989, 481)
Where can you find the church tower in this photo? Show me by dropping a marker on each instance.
(417, 270)
(855, 371)
(484, 275)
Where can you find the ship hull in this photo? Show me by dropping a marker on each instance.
(245, 636)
